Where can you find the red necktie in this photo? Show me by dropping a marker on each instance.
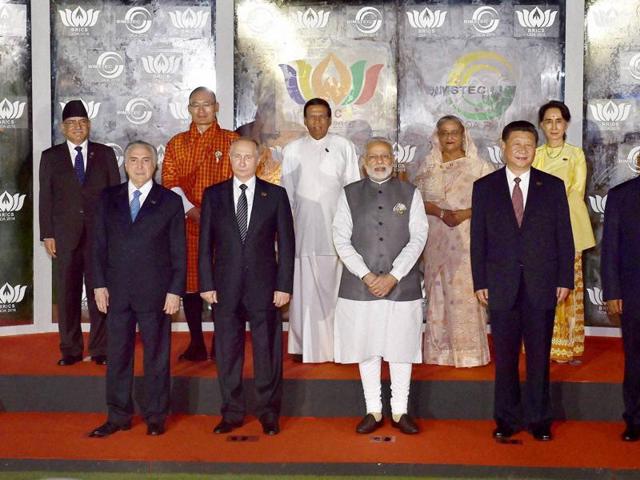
(518, 201)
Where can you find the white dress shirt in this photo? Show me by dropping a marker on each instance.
(74, 153)
(144, 190)
(251, 189)
(524, 184)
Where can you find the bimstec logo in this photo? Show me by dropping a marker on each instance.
(138, 111)
(10, 296)
(495, 155)
(161, 64)
(310, 19)
(480, 86)
(535, 20)
(117, 149)
(179, 111)
(188, 19)
(331, 79)
(137, 20)
(598, 204)
(9, 204)
(608, 113)
(368, 20)
(426, 19)
(596, 298)
(92, 108)
(404, 155)
(79, 20)
(485, 19)
(109, 65)
(10, 112)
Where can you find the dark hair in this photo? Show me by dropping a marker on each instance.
(317, 101)
(564, 110)
(519, 126)
(203, 89)
(449, 118)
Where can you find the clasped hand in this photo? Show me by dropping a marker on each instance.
(380, 285)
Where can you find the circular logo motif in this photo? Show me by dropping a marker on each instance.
(138, 20)
(368, 20)
(117, 149)
(486, 19)
(633, 159)
(634, 66)
(259, 20)
(110, 65)
(481, 86)
(138, 111)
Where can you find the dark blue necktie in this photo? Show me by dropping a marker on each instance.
(135, 205)
(78, 165)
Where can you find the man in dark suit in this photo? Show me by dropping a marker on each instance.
(242, 220)
(522, 265)
(620, 271)
(72, 175)
(139, 273)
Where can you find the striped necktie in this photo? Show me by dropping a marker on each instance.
(242, 212)
(78, 165)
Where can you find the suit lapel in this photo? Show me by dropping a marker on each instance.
(150, 204)
(506, 199)
(259, 202)
(122, 204)
(230, 205)
(533, 195)
(91, 160)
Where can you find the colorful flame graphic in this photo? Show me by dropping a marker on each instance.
(332, 80)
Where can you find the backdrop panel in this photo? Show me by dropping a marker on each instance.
(612, 119)
(16, 168)
(133, 66)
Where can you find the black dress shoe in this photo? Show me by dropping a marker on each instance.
(270, 426)
(368, 424)
(225, 426)
(504, 431)
(406, 425)
(107, 429)
(155, 429)
(194, 354)
(541, 433)
(99, 359)
(67, 360)
(296, 357)
(631, 433)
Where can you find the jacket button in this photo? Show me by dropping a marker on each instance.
(380, 207)
(381, 239)
(379, 191)
(379, 223)
(81, 211)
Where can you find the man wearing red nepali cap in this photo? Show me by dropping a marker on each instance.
(72, 176)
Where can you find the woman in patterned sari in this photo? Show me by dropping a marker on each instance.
(456, 323)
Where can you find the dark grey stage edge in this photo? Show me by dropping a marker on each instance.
(366, 470)
(472, 400)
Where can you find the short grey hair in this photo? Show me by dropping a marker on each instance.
(142, 143)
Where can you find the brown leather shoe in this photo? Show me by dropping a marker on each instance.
(406, 425)
(368, 424)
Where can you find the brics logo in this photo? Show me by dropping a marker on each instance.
(426, 19)
(188, 19)
(9, 205)
(343, 86)
(79, 17)
(10, 112)
(10, 296)
(310, 19)
(536, 18)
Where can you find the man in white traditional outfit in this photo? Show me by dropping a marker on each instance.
(315, 168)
(379, 230)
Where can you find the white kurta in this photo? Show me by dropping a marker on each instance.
(314, 173)
(385, 328)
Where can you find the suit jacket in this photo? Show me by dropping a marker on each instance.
(139, 262)
(540, 250)
(252, 269)
(620, 260)
(66, 206)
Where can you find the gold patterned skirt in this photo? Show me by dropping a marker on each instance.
(567, 342)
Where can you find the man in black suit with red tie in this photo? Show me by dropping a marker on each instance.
(522, 264)
(72, 176)
(620, 267)
(139, 274)
(242, 221)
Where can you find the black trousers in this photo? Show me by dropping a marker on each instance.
(71, 268)
(509, 328)
(155, 332)
(630, 323)
(266, 335)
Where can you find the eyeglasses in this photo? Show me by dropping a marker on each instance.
(72, 123)
(201, 105)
